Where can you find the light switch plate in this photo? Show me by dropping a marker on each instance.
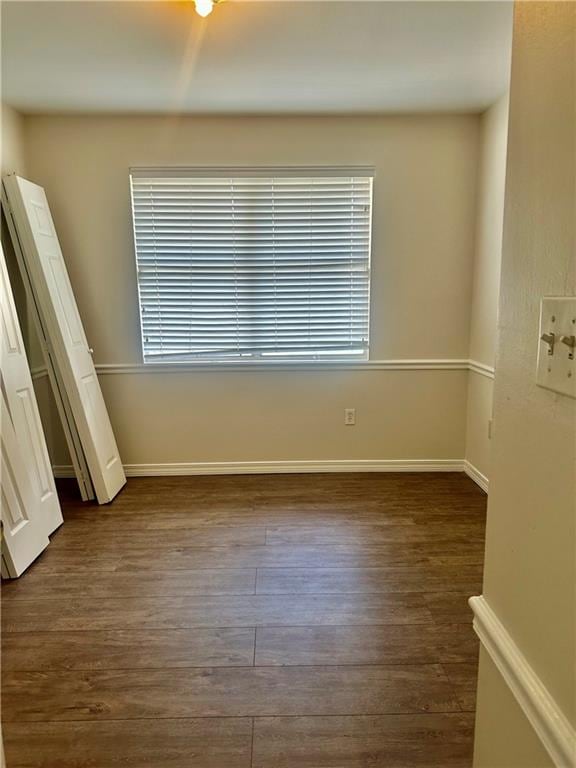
(556, 355)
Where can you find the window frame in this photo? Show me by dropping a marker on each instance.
(254, 361)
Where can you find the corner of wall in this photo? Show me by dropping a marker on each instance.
(527, 691)
(485, 288)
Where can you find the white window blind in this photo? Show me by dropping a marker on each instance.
(253, 265)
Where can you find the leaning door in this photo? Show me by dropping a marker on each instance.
(30, 508)
(59, 313)
(22, 408)
(24, 533)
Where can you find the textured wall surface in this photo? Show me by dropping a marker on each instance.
(486, 279)
(530, 577)
(423, 250)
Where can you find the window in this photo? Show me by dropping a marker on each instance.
(253, 265)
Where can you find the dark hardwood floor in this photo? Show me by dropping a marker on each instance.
(289, 621)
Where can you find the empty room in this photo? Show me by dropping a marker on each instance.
(288, 426)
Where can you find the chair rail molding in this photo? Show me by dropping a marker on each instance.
(540, 708)
(39, 372)
(481, 368)
(297, 365)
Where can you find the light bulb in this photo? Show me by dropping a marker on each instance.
(204, 7)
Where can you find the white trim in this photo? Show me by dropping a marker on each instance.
(282, 467)
(259, 171)
(481, 368)
(299, 365)
(549, 722)
(296, 366)
(474, 473)
(39, 372)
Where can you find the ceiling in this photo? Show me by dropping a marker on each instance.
(255, 57)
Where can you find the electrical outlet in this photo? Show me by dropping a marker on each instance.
(350, 417)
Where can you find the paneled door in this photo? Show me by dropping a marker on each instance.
(30, 506)
(63, 326)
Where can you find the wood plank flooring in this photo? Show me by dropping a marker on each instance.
(296, 621)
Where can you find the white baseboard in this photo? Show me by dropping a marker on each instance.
(475, 474)
(282, 467)
(549, 722)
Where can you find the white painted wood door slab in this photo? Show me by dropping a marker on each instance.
(60, 316)
(61, 401)
(30, 507)
(22, 405)
(24, 534)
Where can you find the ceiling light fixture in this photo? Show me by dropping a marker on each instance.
(204, 7)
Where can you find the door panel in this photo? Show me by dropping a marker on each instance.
(62, 290)
(96, 410)
(61, 398)
(27, 416)
(64, 329)
(24, 532)
(22, 409)
(29, 502)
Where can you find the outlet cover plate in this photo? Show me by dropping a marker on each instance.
(350, 417)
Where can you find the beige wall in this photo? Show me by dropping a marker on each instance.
(12, 144)
(13, 160)
(512, 742)
(424, 234)
(490, 221)
(478, 430)
(530, 577)
(486, 280)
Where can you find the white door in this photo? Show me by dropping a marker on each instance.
(24, 533)
(65, 333)
(21, 403)
(30, 508)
